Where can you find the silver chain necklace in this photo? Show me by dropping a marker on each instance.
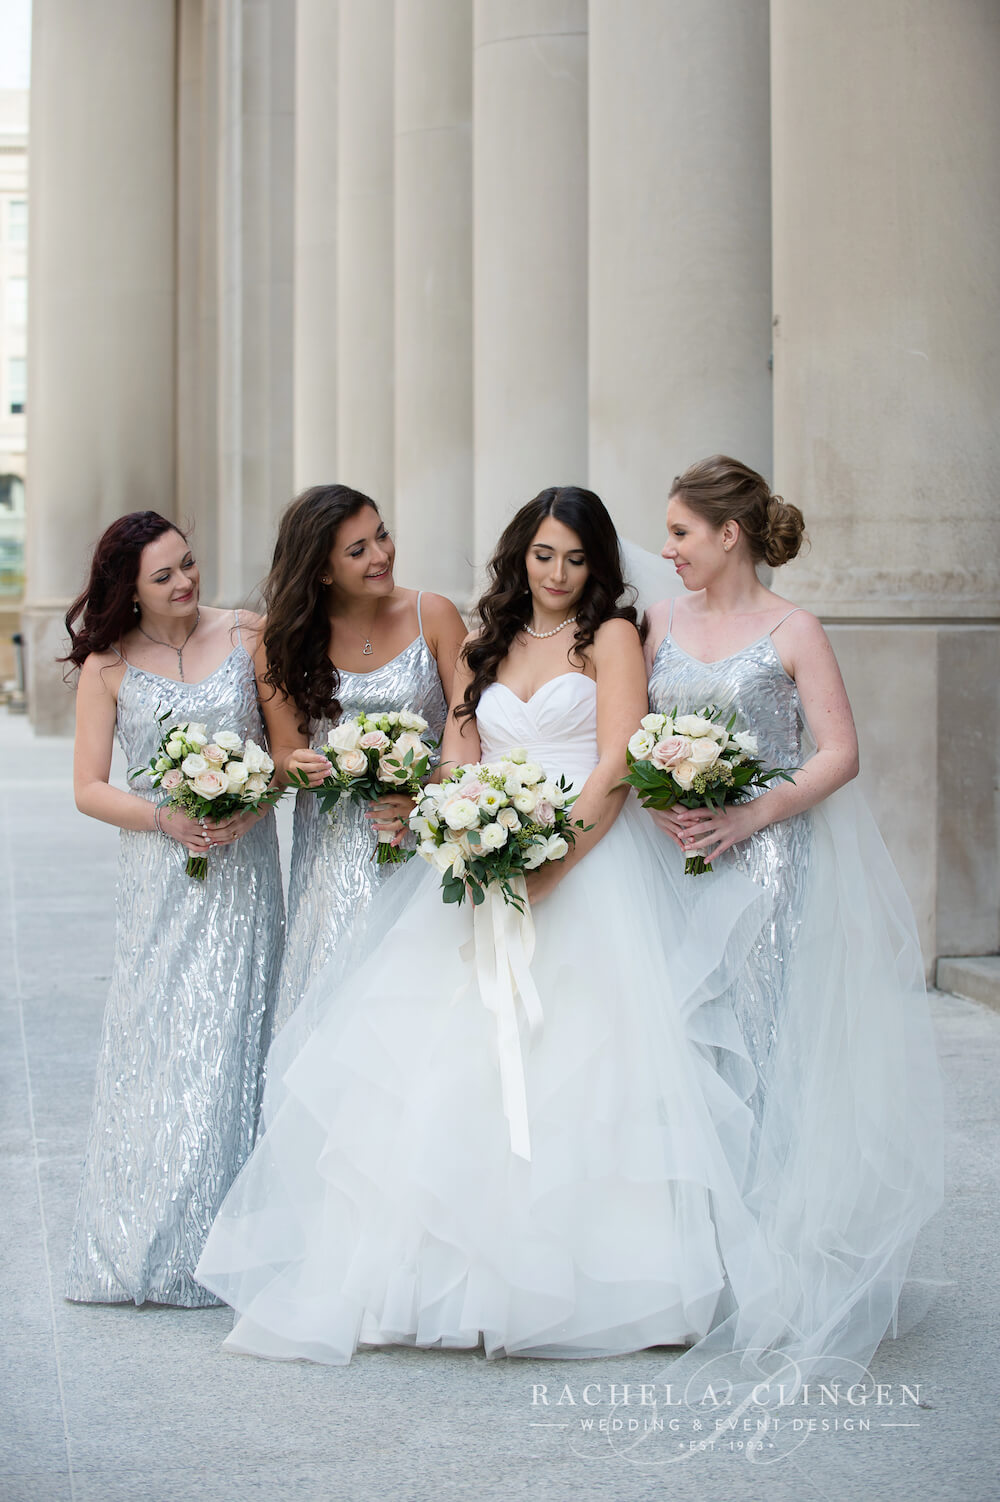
(179, 650)
(541, 635)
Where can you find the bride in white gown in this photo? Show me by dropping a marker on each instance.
(383, 1203)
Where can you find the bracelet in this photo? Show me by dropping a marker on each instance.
(156, 817)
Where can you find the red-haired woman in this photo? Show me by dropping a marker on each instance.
(193, 980)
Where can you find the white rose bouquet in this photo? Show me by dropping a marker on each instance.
(488, 823)
(374, 754)
(697, 761)
(209, 777)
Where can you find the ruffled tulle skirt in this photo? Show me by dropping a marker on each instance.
(383, 1202)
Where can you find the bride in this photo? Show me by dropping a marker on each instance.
(384, 1204)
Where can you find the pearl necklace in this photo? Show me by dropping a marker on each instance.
(179, 650)
(541, 635)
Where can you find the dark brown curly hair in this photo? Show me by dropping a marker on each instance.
(297, 629)
(505, 608)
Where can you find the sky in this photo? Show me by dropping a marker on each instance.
(15, 43)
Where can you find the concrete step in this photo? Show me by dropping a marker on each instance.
(974, 976)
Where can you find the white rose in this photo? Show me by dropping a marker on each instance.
(684, 774)
(374, 740)
(236, 774)
(535, 854)
(493, 837)
(443, 857)
(694, 725)
(408, 741)
(410, 721)
(255, 759)
(556, 847)
(214, 755)
(704, 753)
(655, 723)
(745, 742)
(507, 819)
(354, 763)
(462, 813)
(641, 744)
(256, 784)
(346, 737)
(391, 770)
(195, 735)
(229, 741)
(193, 765)
(209, 784)
(525, 801)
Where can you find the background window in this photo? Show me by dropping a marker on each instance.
(17, 301)
(17, 221)
(17, 383)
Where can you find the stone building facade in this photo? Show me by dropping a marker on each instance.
(450, 251)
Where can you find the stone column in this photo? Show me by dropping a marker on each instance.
(530, 254)
(315, 382)
(365, 248)
(680, 246)
(434, 294)
(886, 304)
(255, 190)
(101, 329)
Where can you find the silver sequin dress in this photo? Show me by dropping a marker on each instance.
(754, 683)
(186, 1024)
(332, 873)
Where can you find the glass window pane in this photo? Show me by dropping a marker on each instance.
(17, 221)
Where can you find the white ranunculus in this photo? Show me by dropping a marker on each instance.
(745, 742)
(462, 813)
(345, 737)
(236, 774)
(535, 854)
(694, 725)
(193, 765)
(493, 837)
(210, 783)
(552, 793)
(704, 753)
(684, 774)
(525, 801)
(556, 847)
(513, 783)
(444, 856)
(354, 763)
(228, 740)
(507, 818)
(655, 723)
(531, 773)
(641, 744)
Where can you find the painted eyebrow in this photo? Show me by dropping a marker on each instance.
(548, 548)
(166, 567)
(362, 540)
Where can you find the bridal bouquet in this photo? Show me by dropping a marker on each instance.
(374, 754)
(486, 824)
(697, 761)
(209, 777)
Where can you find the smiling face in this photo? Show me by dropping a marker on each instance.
(362, 556)
(697, 550)
(557, 568)
(167, 583)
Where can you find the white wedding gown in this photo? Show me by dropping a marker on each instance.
(383, 1203)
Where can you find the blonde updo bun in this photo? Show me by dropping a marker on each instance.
(721, 489)
(784, 530)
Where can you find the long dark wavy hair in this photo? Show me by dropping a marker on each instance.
(506, 607)
(105, 603)
(297, 630)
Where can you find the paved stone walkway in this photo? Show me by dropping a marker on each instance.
(104, 1404)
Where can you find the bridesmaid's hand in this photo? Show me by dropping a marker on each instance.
(391, 812)
(228, 830)
(193, 834)
(709, 832)
(313, 763)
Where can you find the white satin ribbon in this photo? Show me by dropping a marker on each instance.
(504, 942)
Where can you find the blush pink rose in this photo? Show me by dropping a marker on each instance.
(671, 752)
(172, 779)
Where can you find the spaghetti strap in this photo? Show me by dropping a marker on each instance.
(239, 633)
(420, 624)
(670, 617)
(784, 618)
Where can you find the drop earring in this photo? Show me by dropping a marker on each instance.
(135, 607)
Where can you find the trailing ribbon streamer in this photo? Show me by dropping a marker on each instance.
(504, 941)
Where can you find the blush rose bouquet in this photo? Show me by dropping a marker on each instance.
(375, 754)
(488, 823)
(696, 761)
(209, 776)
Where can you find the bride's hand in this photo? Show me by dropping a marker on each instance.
(709, 832)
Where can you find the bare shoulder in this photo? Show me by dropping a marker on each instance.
(614, 641)
(657, 617)
(251, 625)
(440, 613)
(101, 672)
(800, 628)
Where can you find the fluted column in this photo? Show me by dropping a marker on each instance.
(315, 383)
(530, 254)
(255, 247)
(433, 257)
(365, 248)
(886, 303)
(101, 328)
(680, 246)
